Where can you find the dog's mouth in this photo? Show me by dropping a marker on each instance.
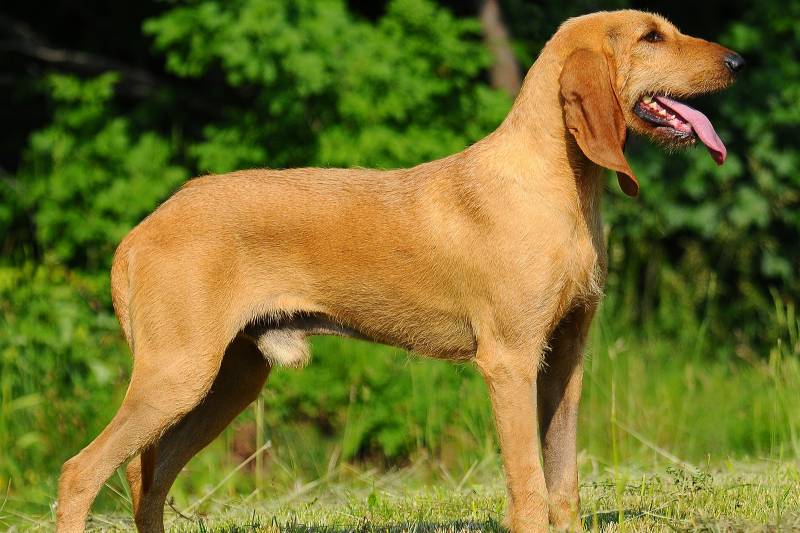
(680, 123)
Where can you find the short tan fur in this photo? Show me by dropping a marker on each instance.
(494, 255)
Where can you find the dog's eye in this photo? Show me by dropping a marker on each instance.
(653, 37)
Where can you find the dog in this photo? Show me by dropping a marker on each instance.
(493, 255)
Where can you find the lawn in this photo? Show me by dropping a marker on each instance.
(740, 496)
(676, 432)
(670, 440)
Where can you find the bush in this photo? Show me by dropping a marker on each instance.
(88, 178)
(63, 368)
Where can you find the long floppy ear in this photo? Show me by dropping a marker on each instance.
(593, 115)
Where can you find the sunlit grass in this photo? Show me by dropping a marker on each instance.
(762, 496)
(651, 400)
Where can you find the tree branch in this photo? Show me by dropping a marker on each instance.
(25, 41)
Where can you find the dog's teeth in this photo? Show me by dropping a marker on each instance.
(647, 99)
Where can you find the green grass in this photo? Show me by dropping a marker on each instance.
(754, 496)
(660, 394)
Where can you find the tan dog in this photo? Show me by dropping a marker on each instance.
(494, 254)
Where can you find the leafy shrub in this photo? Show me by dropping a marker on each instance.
(88, 178)
(330, 89)
(63, 367)
(384, 404)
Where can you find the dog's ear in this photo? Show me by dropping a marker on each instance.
(593, 115)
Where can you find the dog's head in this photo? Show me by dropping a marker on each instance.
(629, 69)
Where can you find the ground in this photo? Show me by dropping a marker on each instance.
(741, 496)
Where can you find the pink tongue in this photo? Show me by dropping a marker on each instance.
(701, 126)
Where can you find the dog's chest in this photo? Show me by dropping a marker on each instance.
(585, 268)
(584, 257)
(563, 270)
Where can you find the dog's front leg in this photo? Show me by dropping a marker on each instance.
(559, 392)
(510, 375)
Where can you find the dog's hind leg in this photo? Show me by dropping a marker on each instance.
(167, 382)
(240, 379)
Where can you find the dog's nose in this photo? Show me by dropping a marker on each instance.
(734, 62)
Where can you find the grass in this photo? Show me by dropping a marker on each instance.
(752, 496)
(726, 422)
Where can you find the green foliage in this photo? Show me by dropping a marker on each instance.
(331, 89)
(380, 401)
(88, 178)
(62, 368)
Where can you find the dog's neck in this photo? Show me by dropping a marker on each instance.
(533, 146)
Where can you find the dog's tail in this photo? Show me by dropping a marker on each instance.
(120, 287)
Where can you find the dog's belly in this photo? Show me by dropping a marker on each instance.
(283, 340)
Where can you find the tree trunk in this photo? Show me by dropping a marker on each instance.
(505, 73)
